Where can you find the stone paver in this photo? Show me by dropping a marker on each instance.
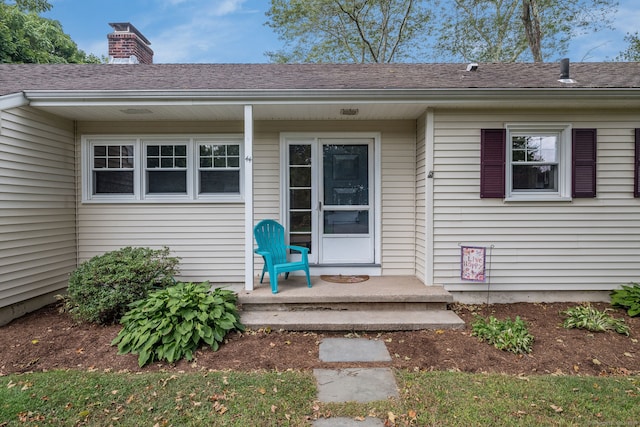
(355, 384)
(353, 350)
(348, 422)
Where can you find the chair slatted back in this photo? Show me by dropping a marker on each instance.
(269, 235)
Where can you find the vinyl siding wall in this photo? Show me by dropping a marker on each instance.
(209, 237)
(586, 244)
(37, 212)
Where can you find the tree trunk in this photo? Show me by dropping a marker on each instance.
(531, 22)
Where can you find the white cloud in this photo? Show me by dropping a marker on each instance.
(221, 29)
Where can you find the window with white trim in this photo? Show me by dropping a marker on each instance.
(538, 160)
(112, 168)
(118, 168)
(218, 168)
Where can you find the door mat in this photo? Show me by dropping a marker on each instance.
(339, 278)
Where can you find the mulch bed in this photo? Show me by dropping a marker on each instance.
(46, 340)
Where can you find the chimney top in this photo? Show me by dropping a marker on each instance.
(127, 45)
(127, 27)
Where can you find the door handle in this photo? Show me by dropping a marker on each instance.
(319, 206)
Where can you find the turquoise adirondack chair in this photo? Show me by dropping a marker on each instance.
(269, 235)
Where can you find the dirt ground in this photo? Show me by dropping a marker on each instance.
(46, 340)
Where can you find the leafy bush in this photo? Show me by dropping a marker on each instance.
(627, 297)
(505, 335)
(172, 323)
(591, 319)
(101, 289)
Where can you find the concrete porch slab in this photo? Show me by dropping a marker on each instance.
(353, 350)
(355, 385)
(382, 288)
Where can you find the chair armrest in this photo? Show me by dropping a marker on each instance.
(265, 254)
(301, 249)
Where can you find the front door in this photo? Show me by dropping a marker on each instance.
(330, 199)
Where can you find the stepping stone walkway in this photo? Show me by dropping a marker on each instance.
(354, 384)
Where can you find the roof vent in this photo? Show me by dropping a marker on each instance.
(472, 66)
(564, 71)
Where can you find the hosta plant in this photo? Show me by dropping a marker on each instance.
(628, 296)
(509, 335)
(592, 319)
(101, 289)
(170, 324)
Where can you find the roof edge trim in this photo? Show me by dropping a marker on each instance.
(57, 97)
(13, 100)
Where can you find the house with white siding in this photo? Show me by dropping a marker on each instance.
(380, 169)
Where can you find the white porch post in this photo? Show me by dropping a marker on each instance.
(248, 197)
(428, 197)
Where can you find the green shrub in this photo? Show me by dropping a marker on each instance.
(591, 319)
(628, 297)
(101, 289)
(173, 322)
(505, 335)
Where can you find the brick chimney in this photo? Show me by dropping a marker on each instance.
(127, 45)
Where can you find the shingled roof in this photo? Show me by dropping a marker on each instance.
(16, 78)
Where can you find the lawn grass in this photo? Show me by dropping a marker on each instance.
(70, 398)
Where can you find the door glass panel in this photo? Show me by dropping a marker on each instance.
(300, 213)
(346, 175)
(300, 154)
(300, 222)
(346, 222)
(300, 199)
(300, 176)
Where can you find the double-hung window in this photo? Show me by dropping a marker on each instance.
(204, 168)
(111, 168)
(538, 162)
(165, 170)
(218, 168)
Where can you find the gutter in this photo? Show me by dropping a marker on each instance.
(300, 96)
(13, 100)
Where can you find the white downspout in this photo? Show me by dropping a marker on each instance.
(248, 197)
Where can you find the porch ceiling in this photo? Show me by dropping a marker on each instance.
(192, 112)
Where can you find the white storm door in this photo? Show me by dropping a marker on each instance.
(345, 214)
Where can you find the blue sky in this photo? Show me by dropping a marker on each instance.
(233, 31)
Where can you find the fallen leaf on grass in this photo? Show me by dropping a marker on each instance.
(596, 362)
(558, 409)
(626, 353)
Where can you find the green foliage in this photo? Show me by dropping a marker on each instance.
(26, 37)
(592, 319)
(170, 324)
(347, 31)
(101, 289)
(510, 31)
(505, 335)
(628, 297)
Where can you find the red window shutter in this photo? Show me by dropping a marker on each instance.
(636, 167)
(492, 155)
(584, 163)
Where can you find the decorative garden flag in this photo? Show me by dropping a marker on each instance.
(472, 260)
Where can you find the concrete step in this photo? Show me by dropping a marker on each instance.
(351, 320)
